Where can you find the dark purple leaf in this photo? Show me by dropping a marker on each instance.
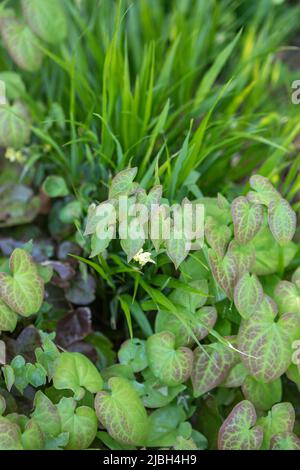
(74, 327)
(82, 291)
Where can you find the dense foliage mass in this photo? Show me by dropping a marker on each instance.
(151, 342)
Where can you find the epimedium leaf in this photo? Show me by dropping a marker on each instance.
(239, 432)
(170, 365)
(14, 125)
(224, 271)
(122, 182)
(76, 372)
(46, 415)
(14, 85)
(81, 423)
(282, 221)
(133, 353)
(262, 395)
(204, 320)
(46, 19)
(23, 291)
(55, 186)
(21, 43)
(8, 318)
(243, 256)
(265, 344)
(217, 235)
(287, 297)
(280, 419)
(18, 205)
(122, 412)
(264, 193)
(236, 376)
(10, 435)
(190, 300)
(247, 219)
(285, 441)
(178, 247)
(33, 437)
(211, 364)
(248, 294)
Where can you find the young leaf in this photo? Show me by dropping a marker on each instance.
(247, 219)
(10, 435)
(122, 412)
(282, 221)
(280, 419)
(21, 43)
(238, 432)
(217, 235)
(8, 318)
(224, 271)
(75, 371)
(170, 365)
(55, 186)
(262, 395)
(33, 437)
(133, 353)
(211, 365)
(23, 292)
(243, 257)
(285, 441)
(248, 294)
(81, 423)
(46, 19)
(45, 414)
(265, 191)
(177, 248)
(122, 182)
(14, 125)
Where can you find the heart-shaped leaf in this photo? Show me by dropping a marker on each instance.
(238, 432)
(33, 437)
(211, 365)
(264, 193)
(178, 248)
(262, 395)
(266, 344)
(14, 125)
(217, 235)
(170, 365)
(10, 435)
(23, 291)
(45, 414)
(285, 441)
(122, 182)
(282, 221)
(55, 186)
(247, 219)
(75, 371)
(280, 419)
(133, 353)
(81, 423)
(21, 44)
(122, 412)
(190, 300)
(243, 257)
(8, 318)
(248, 294)
(287, 296)
(236, 376)
(18, 205)
(224, 271)
(203, 320)
(46, 19)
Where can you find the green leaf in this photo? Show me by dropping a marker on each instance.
(8, 318)
(247, 219)
(164, 426)
(224, 271)
(2, 405)
(177, 248)
(280, 419)
(264, 193)
(212, 363)
(243, 257)
(285, 441)
(236, 376)
(122, 412)
(238, 432)
(10, 435)
(287, 297)
(81, 423)
(203, 320)
(14, 125)
(170, 365)
(191, 300)
(33, 437)
(21, 44)
(282, 221)
(55, 186)
(46, 19)
(248, 294)
(133, 353)
(217, 235)
(14, 85)
(122, 183)
(75, 371)
(262, 395)
(46, 415)
(266, 344)
(23, 292)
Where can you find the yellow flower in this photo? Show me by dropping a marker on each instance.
(143, 257)
(14, 155)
